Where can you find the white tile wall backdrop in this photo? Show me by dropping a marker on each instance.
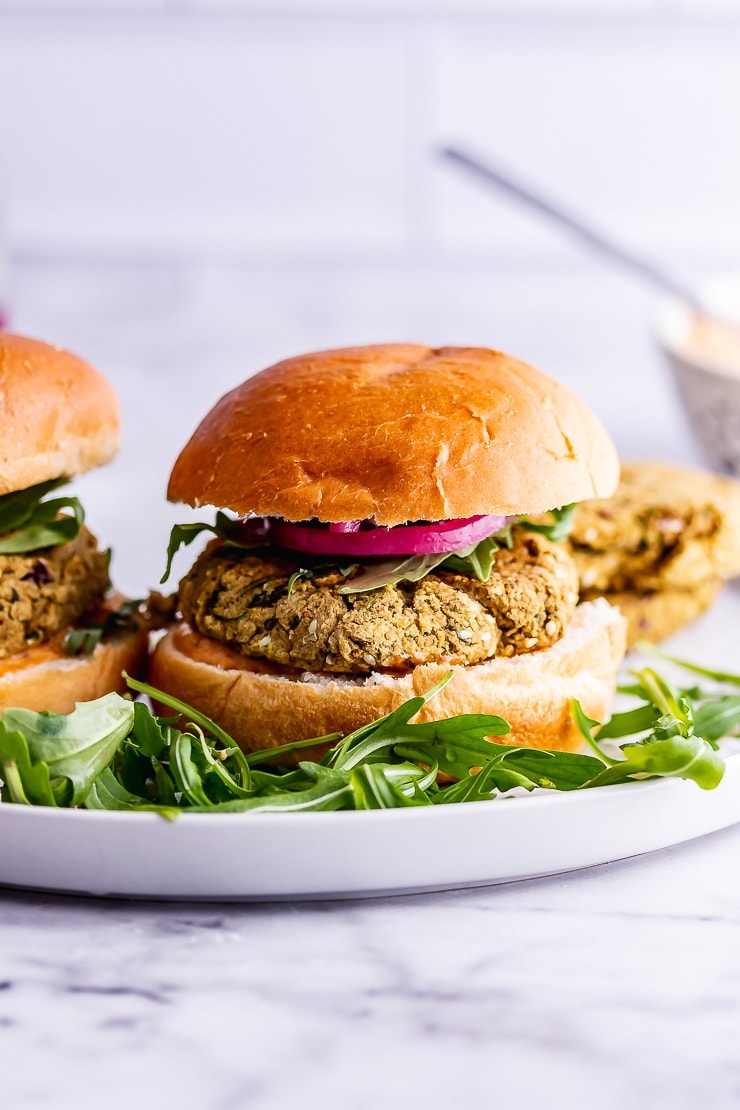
(213, 127)
(631, 123)
(193, 188)
(190, 135)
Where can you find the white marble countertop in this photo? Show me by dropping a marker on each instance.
(611, 987)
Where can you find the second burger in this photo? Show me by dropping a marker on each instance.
(65, 637)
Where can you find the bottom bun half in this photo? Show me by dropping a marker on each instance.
(532, 692)
(44, 678)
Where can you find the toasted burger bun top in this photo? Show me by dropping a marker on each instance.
(396, 432)
(58, 416)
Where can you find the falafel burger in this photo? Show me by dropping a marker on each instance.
(378, 539)
(64, 637)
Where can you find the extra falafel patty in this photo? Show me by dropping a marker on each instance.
(44, 591)
(246, 602)
(666, 527)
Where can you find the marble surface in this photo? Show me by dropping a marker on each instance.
(612, 987)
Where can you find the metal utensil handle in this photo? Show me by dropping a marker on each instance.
(577, 226)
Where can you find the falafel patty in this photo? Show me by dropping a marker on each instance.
(666, 527)
(44, 591)
(248, 602)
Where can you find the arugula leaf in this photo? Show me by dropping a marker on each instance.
(527, 768)
(185, 771)
(73, 747)
(18, 507)
(373, 576)
(26, 781)
(272, 755)
(328, 790)
(107, 793)
(475, 560)
(180, 706)
(686, 757)
(673, 747)
(391, 724)
(225, 528)
(630, 722)
(718, 717)
(226, 773)
(181, 536)
(148, 732)
(295, 578)
(28, 523)
(387, 786)
(552, 770)
(707, 672)
(83, 641)
(670, 702)
(454, 744)
(559, 530)
(586, 725)
(151, 735)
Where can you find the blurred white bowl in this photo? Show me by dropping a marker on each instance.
(705, 359)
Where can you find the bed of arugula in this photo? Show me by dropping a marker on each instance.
(116, 754)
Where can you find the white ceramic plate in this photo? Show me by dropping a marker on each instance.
(353, 854)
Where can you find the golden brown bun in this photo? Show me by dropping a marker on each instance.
(58, 416)
(50, 680)
(396, 432)
(532, 692)
(654, 616)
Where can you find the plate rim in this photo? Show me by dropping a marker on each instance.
(348, 854)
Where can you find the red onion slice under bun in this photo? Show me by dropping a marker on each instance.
(404, 539)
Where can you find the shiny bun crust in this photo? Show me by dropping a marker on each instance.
(396, 432)
(58, 416)
(532, 692)
(57, 682)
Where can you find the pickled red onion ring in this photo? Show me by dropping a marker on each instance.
(346, 526)
(404, 539)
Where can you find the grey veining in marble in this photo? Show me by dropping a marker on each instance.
(614, 987)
